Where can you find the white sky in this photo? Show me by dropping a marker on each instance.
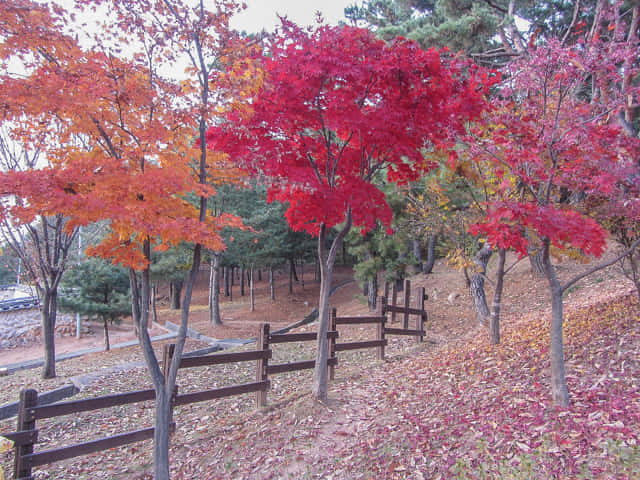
(263, 13)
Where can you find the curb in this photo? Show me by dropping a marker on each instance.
(13, 367)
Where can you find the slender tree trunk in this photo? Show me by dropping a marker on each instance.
(494, 321)
(293, 276)
(105, 327)
(161, 435)
(559, 390)
(259, 274)
(48, 310)
(242, 282)
(372, 293)
(176, 293)
(417, 255)
(292, 266)
(214, 291)
(431, 254)
(326, 260)
(272, 290)
(302, 273)
(225, 274)
(140, 306)
(154, 296)
(251, 290)
(476, 285)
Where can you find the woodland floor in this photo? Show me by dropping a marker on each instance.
(451, 407)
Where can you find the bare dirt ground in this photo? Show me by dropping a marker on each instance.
(238, 320)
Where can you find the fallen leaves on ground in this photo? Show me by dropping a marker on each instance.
(456, 410)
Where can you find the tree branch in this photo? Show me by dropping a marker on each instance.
(596, 268)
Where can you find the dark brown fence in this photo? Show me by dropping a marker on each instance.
(29, 411)
(381, 321)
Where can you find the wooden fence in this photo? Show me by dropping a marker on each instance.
(29, 411)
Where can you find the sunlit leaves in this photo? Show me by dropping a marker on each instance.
(117, 136)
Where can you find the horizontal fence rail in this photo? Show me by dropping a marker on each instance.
(57, 454)
(98, 403)
(295, 366)
(342, 347)
(187, 398)
(298, 337)
(222, 358)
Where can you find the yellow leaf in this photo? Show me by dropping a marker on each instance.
(5, 444)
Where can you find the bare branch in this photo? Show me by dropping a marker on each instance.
(601, 266)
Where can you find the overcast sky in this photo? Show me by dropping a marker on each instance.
(263, 13)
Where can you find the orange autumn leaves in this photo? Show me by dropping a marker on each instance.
(118, 139)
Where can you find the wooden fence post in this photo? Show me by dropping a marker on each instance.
(331, 343)
(394, 300)
(407, 303)
(381, 327)
(261, 366)
(26, 421)
(167, 356)
(421, 317)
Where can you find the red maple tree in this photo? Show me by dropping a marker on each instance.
(558, 150)
(341, 111)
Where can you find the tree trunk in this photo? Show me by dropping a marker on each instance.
(372, 293)
(214, 291)
(242, 282)
(176, 292)
(140, 308)
(251, 290)
(272, 290)
(48, 311)
(535, 255)
(302, 273)
(225, 274)
(431, 254)
(259, 274)
(476, 285)
(292, 266)
(293, 274)
(494, 321)
(105, 326)
(632, 272)
(154, 310)
(417, 255)
(559, 390)
(161, 435)
(326, 260)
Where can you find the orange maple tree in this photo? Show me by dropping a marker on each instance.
(124, 150)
